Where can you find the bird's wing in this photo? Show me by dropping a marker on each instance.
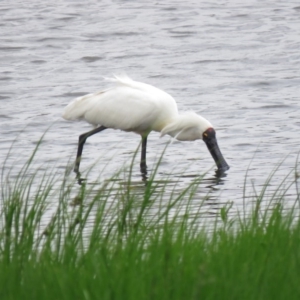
(121, 107)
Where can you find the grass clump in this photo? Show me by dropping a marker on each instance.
(107, 242)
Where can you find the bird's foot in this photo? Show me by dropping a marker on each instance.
(79, 179)
(144, 172)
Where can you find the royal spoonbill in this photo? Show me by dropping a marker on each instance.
(141, 108)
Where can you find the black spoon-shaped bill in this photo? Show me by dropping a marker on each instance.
(209, 137)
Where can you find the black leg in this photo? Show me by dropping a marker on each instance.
(82, 139)
(143, 155)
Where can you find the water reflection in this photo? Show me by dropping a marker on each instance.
(80, 180)
(250, 93)
(206, 188)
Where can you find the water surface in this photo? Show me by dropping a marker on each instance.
(236, 63)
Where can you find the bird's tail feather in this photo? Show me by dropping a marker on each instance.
(77, 108)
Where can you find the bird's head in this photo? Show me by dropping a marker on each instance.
(191, 127)
(208, 135)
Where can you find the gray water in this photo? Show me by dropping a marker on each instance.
(234, 62)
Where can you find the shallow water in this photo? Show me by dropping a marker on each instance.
(236, 63)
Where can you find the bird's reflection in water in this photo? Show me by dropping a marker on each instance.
(80, 180)
(207, 188)
(216, 180)
(193, 195)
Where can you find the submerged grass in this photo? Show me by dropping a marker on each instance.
(107, 242)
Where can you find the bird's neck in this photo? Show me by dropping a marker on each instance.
(186, 127)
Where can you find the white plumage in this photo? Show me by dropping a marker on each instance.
(137, 107)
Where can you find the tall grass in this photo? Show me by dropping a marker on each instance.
(106, 242)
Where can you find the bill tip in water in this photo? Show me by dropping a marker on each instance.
(222, 170)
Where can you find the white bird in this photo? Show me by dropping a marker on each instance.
(140, 108)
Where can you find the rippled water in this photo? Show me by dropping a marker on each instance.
(234, 62)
